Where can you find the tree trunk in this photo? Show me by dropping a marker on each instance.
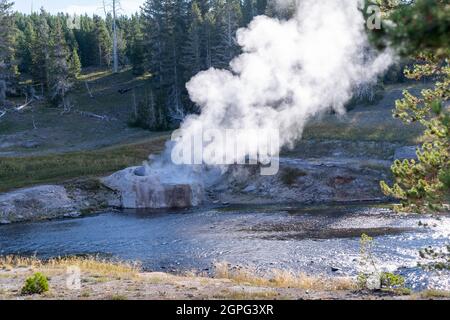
(2, 92)
(115, 54)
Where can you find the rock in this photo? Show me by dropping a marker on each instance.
(327, 180)
(37, 203)
(334, 269)
(374, 281)
(140, 171)
(139, 191)
(409, 152)
(249, 189)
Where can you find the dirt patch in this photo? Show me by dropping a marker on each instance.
(340, 181)
(105, 281)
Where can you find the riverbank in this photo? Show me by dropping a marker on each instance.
(123, 281)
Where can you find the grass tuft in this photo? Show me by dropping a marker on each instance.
(282, 279)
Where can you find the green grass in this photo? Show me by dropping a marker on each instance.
(72, 146)
(389, 132)
(27, 171)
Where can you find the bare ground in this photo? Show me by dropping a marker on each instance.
(162, 286)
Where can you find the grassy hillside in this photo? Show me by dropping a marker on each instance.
(40, 145)
(42, 129)
(19, 172)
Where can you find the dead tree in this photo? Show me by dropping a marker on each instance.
(88, 89)
(2, 92)
(113, 6)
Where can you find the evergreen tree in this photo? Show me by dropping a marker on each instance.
(135, 47)
(193, 58)
(41, 51)
(74, 64)
(204, 6)
(228, 18)
(60, 82)
(122, 48)
(208, 36)
(164, 38)
(86, 41)
(103, 42)
(423, 185)
(248, 11)
(25, 41)
(261, 7)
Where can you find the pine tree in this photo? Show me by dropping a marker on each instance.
(8, 64)
(25, 41)
(103, 42)
(208, 36)
(74, 64)
(176, 92)
(193, 58)
(164, 38)
(60, 82)
(228, 18)
(86, 41)
(261, 7)
(248, 11)
(423, 185)
(121, 48)
(41, 50)
(135, 47)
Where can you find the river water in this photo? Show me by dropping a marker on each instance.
(321, 239)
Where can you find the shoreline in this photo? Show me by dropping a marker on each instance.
(100, 279)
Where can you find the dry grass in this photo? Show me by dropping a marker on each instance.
(11, 262)
(433, 294)
(246, 295)
(92, 265)
(283, 279)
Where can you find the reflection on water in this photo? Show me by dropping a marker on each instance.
(299, 238)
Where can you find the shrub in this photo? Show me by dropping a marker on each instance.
(392, 281)
(37, 284)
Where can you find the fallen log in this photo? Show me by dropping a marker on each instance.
(95, 116)
(19, 108)
(88, 90)
(2, 113)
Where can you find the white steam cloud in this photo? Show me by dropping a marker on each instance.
(289, 72)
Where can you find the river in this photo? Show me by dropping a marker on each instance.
(319, 239)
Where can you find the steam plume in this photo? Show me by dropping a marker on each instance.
(289, 72)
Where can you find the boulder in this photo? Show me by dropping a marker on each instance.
(140, 191)
(37, 203)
